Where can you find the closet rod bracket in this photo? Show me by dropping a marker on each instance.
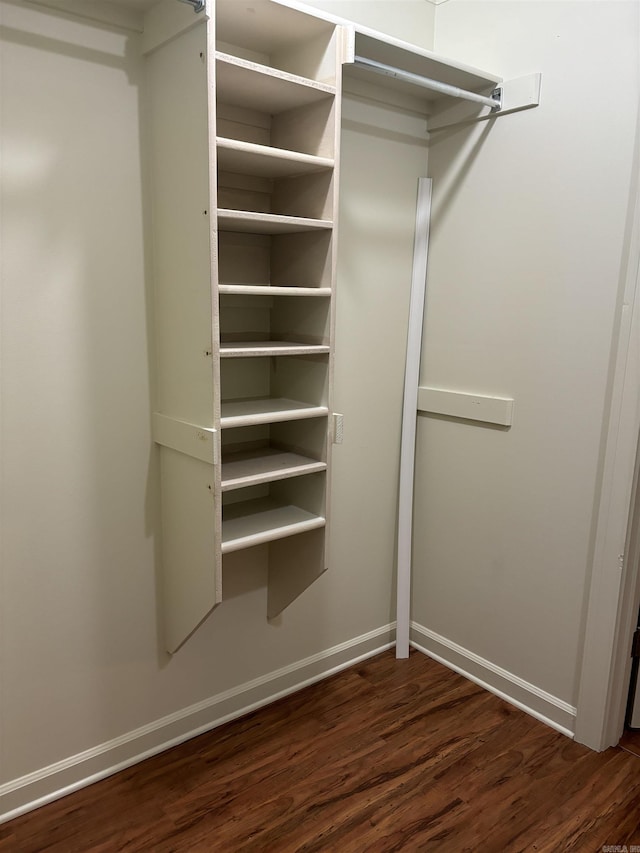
(198, 5)
(496, 96)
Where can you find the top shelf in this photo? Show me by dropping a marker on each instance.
(415, 60)
(278, 36)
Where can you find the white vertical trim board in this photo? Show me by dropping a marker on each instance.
(410, 414)
(610, 615)
(537, 703)
(55, 781)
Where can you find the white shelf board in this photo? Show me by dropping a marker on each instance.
(249, 349)
(416, 60)
(470, 407)
(267, 410)
(268, 223)
(271, 290)
(257, 87)
(256, 522)
(249, 158)
(253, 468)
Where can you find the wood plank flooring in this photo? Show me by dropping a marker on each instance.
(630, 741)
(386, 756)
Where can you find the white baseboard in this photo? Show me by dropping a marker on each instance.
(55, 781)
(536, 702)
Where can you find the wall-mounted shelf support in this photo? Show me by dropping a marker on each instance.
(494, 102)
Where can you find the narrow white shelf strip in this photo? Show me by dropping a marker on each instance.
(272, 290)
(471, 407)
(409, 415)
(267, 410)
(251, 222)
(247, 349)
(264, 161)
(256, 522)
(265, 466)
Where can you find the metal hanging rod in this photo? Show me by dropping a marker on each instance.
(494, 102)
(198, 5)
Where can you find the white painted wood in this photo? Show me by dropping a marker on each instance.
(295, 562)
(424, 63)
(615, 580)
(251, 468)
(257, 87)
(255, 522)
(265, 161)
(521, 93)
(199, 442)
(383, 47)
(284, 38)
(237, 413)
(409, 415)
(268, 223)
(472, 407)
(186, 367)
(272, 290)
(192, 582)
(248, 349)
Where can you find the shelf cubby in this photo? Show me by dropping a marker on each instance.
(299, 197)
(259, 454)
(255, 467)
(291, 260)
(256, 86)
(278, 37)
(276, 510)
(257, 325)
(262, 520)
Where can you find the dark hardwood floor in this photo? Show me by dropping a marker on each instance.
(630, 741)
(386, 756)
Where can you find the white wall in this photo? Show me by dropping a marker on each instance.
(525, 269)
(410, 20)
(85, 683)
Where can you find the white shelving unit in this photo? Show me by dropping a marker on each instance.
(245, 156)
(244, 125)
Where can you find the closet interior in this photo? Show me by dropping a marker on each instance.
(244, 119)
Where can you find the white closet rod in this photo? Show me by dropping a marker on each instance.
(494, 102)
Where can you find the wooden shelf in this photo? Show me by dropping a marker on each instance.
(409, 57)
(256, 522)
(265, 161)
(268, 223)
(249, 349)
(271, 290)
(266, 465)
(267, 410)
(253, 86)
